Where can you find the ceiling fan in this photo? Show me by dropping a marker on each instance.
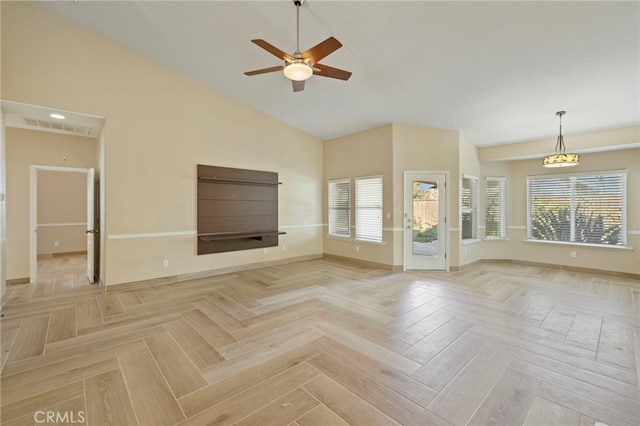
(300, 66)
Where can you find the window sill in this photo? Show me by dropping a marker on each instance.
(496, 239)
(566, 243)
(470, 241)
(353, 240)
(375, 243)
(335, 237)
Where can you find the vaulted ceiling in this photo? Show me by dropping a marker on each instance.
(498, 71)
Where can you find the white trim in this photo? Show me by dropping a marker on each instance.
(53, 225)
(469, 241)
(633, 232)
(576, 174)
(185, 233)
(517, 227)
(569, 243)
(33, 212)
(313, 225)
(33, 220)
(443, 221)
(151, 235)
(393, 229)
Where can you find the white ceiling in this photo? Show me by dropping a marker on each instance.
(498, 71)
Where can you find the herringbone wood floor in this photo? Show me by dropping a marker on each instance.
(326, 343)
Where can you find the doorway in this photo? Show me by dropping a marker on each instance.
(425, 241)
(48, 223)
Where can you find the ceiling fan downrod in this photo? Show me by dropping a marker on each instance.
(298, 3)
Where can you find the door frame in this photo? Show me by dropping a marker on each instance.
(408, 175)
(33, 213)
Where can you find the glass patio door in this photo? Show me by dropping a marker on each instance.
(424, 221)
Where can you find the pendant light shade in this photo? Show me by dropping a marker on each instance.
(560, 159)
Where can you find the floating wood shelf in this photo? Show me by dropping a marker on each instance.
(221, 236)
(215, 179)
(237, 209)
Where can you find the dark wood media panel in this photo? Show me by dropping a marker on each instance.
(237, 209)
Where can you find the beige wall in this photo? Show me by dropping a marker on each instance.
(424, 149)
(626, 137)
(469, 165)
(62, 212)
(607, 259)
(498, 249)
(365, 153)
(3, 213)
(26, 148)
(434, 150)
(390, 151)
(159, 126)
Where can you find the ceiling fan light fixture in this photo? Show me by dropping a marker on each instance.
(298, 71)
(560, 159)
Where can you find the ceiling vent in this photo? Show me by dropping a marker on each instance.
(76, 129)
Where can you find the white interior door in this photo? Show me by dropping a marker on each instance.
(91, 220)
(425, 222)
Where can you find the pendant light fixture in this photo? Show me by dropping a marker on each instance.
(560, 159)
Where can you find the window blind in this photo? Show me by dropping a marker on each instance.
(469, 207)
(340, 208)
(369, 209)
(495, 211)
(582, 208)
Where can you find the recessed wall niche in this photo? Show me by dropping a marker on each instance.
(237, 209)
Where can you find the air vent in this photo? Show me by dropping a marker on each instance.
(76, 129)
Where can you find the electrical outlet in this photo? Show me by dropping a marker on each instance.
(357, 248)
(573, 254)
(284, 248)
(56, 243)
(165, 262)
(264, 250)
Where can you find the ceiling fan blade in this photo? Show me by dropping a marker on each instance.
(327, 71)
(321, 50)
(265, 70)
(273, 50)
(298, 86)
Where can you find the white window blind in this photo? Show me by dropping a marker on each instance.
(340, 208)
(495, 212)
(369, 208)
(469, 207)
(582, 208)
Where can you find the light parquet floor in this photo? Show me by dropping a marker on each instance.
(326, 343)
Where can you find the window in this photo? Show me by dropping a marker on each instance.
(369, 209)
(582, 208)
(340, 208)
(469, 207)
(495, 212)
